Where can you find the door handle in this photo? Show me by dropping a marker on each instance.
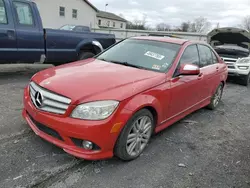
(200, 76)
(11, 34)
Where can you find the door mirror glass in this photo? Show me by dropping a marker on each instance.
(189, 69)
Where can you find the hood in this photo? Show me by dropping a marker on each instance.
(93, 79)
(229, 35)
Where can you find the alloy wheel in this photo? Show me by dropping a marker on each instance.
(217, 96)
(139, 135)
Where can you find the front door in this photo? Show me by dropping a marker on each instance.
(30, 37)
(8, 42)
(185, 90)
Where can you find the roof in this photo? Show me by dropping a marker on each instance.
(109, 15)
(162, 39)
(91, 5)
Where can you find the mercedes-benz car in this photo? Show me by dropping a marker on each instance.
(233, 45)
(110, 105)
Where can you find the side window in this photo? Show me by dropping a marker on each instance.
(3, 17)
(205, 56)
(215, 59)
(190, 55)
(24, 13)
(79, 28)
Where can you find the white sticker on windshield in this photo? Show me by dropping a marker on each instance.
(154, 55)
(156, 67)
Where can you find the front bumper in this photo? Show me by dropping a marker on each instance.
(61, 130)
(238, 72)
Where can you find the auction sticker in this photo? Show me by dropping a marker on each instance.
(154, 55)
(156, 67)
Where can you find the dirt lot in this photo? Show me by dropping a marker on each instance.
(213, 146)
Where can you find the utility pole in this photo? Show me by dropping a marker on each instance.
(106, 6)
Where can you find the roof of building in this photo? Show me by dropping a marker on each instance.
(162, 39)
(91, 5)
(109, 15)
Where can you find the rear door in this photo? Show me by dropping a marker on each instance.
(8, 45)
(209, 69)
(30, 36)
(185, 90)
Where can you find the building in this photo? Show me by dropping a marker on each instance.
(110, 20)
(56, 13)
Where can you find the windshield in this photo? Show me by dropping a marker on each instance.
(153, 55)
(68, 27)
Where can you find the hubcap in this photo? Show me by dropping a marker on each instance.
(139, 135)
(217, 96)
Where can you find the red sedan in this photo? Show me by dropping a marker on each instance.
(112, 104)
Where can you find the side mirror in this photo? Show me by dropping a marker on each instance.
(189, 69)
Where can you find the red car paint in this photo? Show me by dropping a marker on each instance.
(171, 98)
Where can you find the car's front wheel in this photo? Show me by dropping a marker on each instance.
(135, 135)
(216, 98)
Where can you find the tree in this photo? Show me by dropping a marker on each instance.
(185, 26)
(162, 27)
(217, 25)
(137, 24)
(200, 25)
(246, 23)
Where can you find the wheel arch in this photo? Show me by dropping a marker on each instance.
(146, 102)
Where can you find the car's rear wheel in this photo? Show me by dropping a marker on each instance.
(85, 55)
(216, 98)
(246, 80)
(135, 135)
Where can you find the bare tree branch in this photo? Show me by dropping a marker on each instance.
(246, 23)
(200, 25)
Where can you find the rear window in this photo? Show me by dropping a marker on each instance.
(152, 55)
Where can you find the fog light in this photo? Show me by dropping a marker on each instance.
(87, 145)
(243, 67)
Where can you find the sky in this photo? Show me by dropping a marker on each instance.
(174, 12)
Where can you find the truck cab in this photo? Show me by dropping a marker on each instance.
(23, 38)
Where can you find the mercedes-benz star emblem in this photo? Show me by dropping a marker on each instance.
(38, 99)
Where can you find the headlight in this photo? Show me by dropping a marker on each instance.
(244, 60)
(97, 110)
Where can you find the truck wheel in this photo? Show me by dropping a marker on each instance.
(246, 80)
(85, 55)
(216, 98)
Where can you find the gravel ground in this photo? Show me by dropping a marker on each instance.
(206, 149)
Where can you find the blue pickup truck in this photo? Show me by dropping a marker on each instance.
(23, 38)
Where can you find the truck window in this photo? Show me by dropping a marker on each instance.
(24, 13)
(3, 17)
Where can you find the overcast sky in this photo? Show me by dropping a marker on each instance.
(173, 12)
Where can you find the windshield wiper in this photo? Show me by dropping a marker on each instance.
(124, 63)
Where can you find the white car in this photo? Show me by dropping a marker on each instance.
(232, 44)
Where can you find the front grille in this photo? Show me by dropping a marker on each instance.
(51, 102)
(231, 67)
(45, 129)
(226, 59)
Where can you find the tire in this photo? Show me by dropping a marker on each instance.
(246, 80)
(138, 140)
(85, 55)
(216, 98)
